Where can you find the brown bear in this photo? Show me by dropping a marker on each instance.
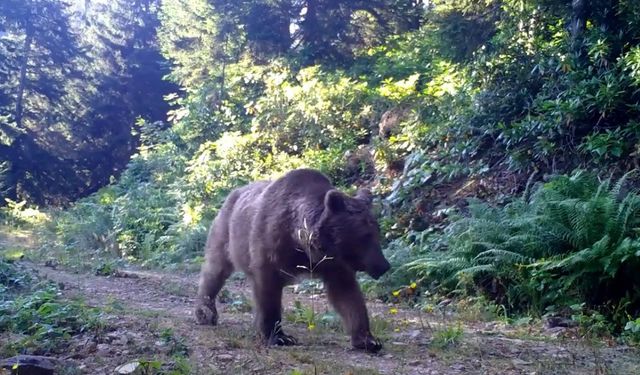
(275, 232)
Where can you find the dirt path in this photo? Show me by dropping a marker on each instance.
(144, 304)
(149, 317)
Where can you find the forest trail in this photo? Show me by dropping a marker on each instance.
(148, 316)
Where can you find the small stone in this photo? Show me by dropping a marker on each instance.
(103, 349)
(131, 368)
(387, 356)
(459, 367)
(557, 331)
(414, 334)
(225, 357)
(519, 362)
(30, 364)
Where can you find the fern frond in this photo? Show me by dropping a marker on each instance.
(474, 270)
(501, 256)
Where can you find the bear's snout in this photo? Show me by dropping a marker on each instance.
(379, 268)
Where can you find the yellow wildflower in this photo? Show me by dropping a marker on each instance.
(413, 285)
(395, 293)
(311, 327)
(393, 310)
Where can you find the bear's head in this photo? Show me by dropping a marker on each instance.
(349, 231)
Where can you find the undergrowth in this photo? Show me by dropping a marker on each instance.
(35, 319)
(573, 241)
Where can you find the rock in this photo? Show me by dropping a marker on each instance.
(103, 349)
(125, 274)
(558, 321)
(30, 365)
(131, 368)
(415, 334)
(517, 362)
(391, 121)
(459, 367)
(225, 357)
(557, 331)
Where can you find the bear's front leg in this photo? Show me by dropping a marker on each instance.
(267, 290)
(345, 296)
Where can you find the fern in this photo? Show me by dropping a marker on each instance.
(575, 239)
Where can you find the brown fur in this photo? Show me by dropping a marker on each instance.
(269, 229)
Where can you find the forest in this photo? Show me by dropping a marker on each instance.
(500, 140)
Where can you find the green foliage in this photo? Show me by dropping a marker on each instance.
(447, 336)
(591, 323)
(239, 303)
(575, 240)
(632, 330)
(16, 214)
(311, 319)
(473, 94)
(44, 322)
(176, 344)
(12, 277)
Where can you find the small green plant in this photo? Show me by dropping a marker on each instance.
(12, 277)
(592, 324)
(632, 331)
(45, 321)
(381, 327)
(239, 303)
(105, 269)
(448, 336)
(149, 366)
(301, 314)
(181, 366)
(176, 345)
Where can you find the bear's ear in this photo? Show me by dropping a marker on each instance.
(335, 201)
(365, 196)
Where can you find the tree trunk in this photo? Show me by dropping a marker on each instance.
(578, 23)
(310, 28)
(26, 51)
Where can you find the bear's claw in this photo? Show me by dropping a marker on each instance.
(283, 340)
(369, 344)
